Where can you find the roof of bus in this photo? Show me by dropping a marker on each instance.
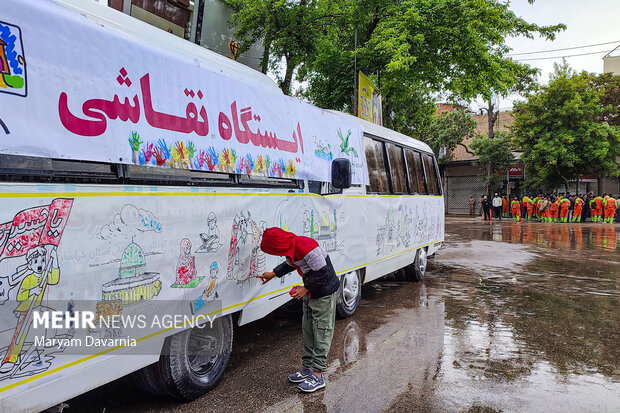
(146, 33)
(385, 133)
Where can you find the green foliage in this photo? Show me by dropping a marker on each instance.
(562, 132)
(412, 49)
(287, 29)
(493, 154)
(448, 129)
(609, 85)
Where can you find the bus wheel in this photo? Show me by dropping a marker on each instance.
(349, 294)
(417, 270)
(194, 360)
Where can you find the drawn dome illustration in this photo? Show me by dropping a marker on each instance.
(134, 283)
(132, 263)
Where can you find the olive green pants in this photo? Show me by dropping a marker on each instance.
(317, 326)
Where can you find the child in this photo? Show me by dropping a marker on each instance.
(319, 299)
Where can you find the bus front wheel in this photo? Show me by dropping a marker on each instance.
(349, 294)
(192, 361)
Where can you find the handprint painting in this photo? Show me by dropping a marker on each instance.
(186, 155)
(12, 61)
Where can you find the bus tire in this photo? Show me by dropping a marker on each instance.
(349, 294)
(148, 380)
(417, 270)
(193, 361)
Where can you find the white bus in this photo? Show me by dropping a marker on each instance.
(118, 205)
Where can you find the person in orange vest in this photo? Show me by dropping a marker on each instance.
(530, 209)
(516, 209)
(553, 210)
(535, 206)
(564, 207)
(610, 204)
(505, 212)
(598, 208)
(578, 206)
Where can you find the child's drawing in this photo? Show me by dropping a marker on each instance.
(134, 284)
(245, 258)
(187, 275)
(211, 238)
(396, 231)
(209, 293)
(323, 229)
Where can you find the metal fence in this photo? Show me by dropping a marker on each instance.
(458, 189)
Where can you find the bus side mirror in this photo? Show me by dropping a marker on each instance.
(341, 173)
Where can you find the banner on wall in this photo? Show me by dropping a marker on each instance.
(369, 101)
(105, 96)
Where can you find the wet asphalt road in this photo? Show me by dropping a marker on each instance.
(518, 317)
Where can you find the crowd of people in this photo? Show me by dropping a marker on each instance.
(548, 208)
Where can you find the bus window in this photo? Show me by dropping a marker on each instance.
(416, 173)
(397, 169)
(431, 175)
(377, 172)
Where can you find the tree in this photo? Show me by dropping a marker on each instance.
(495, 154)
(448, 129)
(418, 49)
(609, 85)
(562, 131)
(413, 49)
(287, 30)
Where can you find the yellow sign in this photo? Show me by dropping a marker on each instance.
(368, 101)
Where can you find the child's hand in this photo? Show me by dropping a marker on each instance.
(266, 276)
(299, 292)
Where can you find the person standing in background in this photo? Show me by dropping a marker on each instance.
(505, 208)
(472, 206)
(516, 209)
(497, 206)
(480, 209)
(578, 208)
(486, 208)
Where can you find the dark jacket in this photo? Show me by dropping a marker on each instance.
(320, 283)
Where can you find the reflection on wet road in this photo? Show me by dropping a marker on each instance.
(515, 317)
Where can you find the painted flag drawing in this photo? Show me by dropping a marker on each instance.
(42, 225)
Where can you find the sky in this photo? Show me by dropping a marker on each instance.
(588, 22)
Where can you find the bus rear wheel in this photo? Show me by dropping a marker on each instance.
(417, 270)
(192, 361)
(349, 294)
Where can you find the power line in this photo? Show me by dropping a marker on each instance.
(561, 57)
(566, 48)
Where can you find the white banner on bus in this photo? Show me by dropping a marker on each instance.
(71, 88)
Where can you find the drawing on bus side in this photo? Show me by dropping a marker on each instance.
(345, 148)
(208, 294)
(107, 310)
(187, 275)
(12, 63)
(131, 221)
(134, 283)
(30, 241)
(395, 231)
(323, 228)
(323, 150)
(210, 239)
(245, 258)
